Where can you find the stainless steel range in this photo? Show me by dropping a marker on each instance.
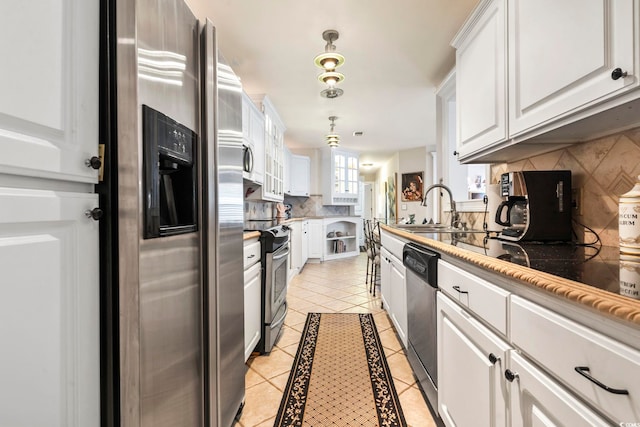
(274, 242)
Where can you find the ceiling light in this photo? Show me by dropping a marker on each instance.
(333, 139)
(331, 78)
(332, 92)
(330, 59)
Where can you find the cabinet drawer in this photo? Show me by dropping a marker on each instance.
(251, 254)
(487, 301)
(392, 244)
(560, 345)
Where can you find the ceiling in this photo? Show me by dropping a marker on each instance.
(396, 53)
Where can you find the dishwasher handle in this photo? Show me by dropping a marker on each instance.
(421, 261)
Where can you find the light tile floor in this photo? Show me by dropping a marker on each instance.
(329, 287)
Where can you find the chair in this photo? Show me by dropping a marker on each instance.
(372, 246)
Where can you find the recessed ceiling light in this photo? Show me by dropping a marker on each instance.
(366, 165)
(358, 133)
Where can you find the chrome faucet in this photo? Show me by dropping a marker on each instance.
(454, 214)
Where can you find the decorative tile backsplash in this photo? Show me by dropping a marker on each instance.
(312, 206)
(603, 168)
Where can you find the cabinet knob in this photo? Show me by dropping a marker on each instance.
(455, 153)
(510, 375)
(617, 73)
(93, 162)
(493, 358)
(94, 214)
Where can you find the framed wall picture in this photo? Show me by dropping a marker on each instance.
(391, 199)
(412, 187)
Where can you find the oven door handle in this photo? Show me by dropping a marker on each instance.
(280, 321)
(284, 254)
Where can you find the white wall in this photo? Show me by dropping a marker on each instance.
(416, 160)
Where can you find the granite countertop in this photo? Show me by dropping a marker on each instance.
(595, 277)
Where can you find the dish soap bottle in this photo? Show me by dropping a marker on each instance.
(629, 220)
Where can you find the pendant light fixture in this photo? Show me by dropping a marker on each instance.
(333, 139)
(329, 61)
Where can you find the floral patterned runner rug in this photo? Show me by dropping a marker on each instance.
(340, 376)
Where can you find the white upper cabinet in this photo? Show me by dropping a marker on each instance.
(545, 73)
(273, 185)
(49, 87)
(562, 55)
(253, 133)
(340, 186)
(299, 168)
(481, 79)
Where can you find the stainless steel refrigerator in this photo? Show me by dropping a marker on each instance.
(222, 233)
(177, 349)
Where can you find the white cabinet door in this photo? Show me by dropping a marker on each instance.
(299, 175)
(273, 187)
(471, 389)
(305, 242)
(256, 132)
(49, 87)
(287, 170)
(295, 252)
(252, 316)
(537, 400)
(566, 64)
(481, 80)
(385, 280)
(398, 290)
(316, 238)
(49, 363)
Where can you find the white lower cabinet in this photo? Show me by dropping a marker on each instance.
(295, 249)
(304, 243)
(385, 279)
(580, 358)
(471, 360)
(537, 400)
(393, 288)
(550, 371)
(316, 239)
(252, 296)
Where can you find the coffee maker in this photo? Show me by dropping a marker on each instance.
(537, 206)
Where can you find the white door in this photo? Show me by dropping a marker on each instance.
(50, 360)
(537, 400)
(471, 389)
(566, 64)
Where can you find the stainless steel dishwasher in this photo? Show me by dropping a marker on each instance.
(422, 286)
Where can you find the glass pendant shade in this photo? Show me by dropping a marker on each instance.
(329, 60)
(331, 78)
